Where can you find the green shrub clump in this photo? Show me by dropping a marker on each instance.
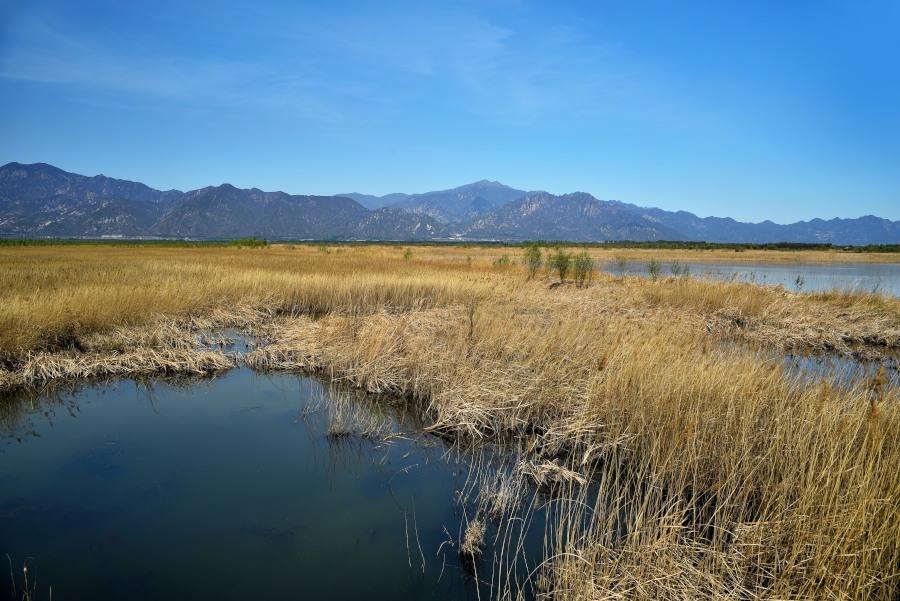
(533, 260)
(583, 269)
(560, 262)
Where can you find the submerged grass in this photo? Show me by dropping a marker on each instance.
(676, 463)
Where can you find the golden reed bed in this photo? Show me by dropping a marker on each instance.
(716, 473)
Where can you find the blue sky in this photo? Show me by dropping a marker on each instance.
(754, 110)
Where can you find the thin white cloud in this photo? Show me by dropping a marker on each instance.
(36, 51)
(493, 69)
(369, 65)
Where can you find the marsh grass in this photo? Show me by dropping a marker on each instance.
(726, 477)
(673, 460)
(54, 296)
(356, 417)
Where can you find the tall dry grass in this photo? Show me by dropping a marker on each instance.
(719, 475)
(51, 297)
(681, 465)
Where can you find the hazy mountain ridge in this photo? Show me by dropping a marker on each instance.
(388, 223)
(578, 217)
(447, 206)
(228, 212)
(42, 200)
(867, 229)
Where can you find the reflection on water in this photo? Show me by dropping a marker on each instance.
(841, 371)
(251, 486)
(241, 487)
(811, 277)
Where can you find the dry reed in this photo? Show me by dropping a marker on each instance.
(679, 465)
(473, 539)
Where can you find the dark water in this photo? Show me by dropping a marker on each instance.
(814, 277)
(227, 489)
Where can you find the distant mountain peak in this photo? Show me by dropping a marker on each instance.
(486, 183)
(42, 200)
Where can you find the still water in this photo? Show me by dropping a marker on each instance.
(814, 277)
(230, 488)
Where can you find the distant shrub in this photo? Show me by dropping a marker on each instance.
(407, 254)
(533, 260)
(248, 242)
(583, 268)
(502, 261)
(679, 269)
(560, 262)
(653, 268)
(324, 249)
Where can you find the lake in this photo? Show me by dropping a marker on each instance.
(819, 277)
(245, 486)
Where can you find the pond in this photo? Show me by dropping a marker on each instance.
(245, 486)
(809, 277)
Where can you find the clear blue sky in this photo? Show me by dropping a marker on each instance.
(755, 110)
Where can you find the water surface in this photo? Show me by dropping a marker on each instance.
(227, 489)
(813, 277)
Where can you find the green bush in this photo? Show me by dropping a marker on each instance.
(502, 261)
(583, 268)
(533, 260)
(560, 262)
(248, 242)
(653, 268)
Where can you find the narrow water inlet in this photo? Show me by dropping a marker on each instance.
(240, 486)
(841, 371)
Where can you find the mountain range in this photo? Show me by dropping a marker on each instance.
(40, 200)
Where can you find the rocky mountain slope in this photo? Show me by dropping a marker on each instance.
(578, 217)
(447, 206)
(42, 200)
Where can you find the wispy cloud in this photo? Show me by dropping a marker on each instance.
(491, 66)
(368, 64)
(37, 51)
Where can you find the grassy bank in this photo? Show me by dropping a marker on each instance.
(54, 297)
(715, 473)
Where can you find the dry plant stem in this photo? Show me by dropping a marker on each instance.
(473, 539)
